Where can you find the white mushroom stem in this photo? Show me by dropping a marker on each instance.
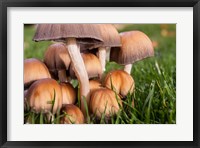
(108, 54)
(128, 68)
(80, 71)
(62, 75)
(102, 57)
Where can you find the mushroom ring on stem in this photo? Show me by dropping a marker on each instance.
(135, 46)
(73, 35)
(120, 81)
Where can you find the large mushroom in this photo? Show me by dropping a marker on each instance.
(73, 35)
(57, 60)
(135, 46)
(34, 69)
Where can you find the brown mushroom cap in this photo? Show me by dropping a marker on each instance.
(92, 65)
(41, 94)
(74, 115)
(84, 33)
(104, 99)
(57, 58)
(94, 84)
(34, 70)
(68, 93)
(121, 82)
(110, 37)
(135, 46)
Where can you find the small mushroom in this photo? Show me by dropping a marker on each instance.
(40, 96)
(34, 70)
(135, 46)
(73, 35)
(104, 100)
(94, 84)
(68, 93)
(92, 65)
(57, 60)
(120, 81)
(72, 115)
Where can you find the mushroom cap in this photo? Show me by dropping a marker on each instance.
(94, 84)
(110, 35)
(41, 94)
(121, 82)
(74, 115)
(68, 93)
(84, 33)
(34, 70)
(57, 58)
(135, 46)
(104, 100)
(92, 65)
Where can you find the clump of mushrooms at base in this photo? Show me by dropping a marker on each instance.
(78, 52)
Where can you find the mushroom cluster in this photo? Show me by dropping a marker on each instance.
(78, 51)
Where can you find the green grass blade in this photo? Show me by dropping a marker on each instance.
(86, 108)
(33, 118)
(102, 121)
(79, 97)
(41, 118)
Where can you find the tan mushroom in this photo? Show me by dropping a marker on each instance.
(68, 93)
(72, 115)
(41, 94)
(34, 70)
(120, 81)
(135, 46)
(94, 84)
(73, 35)
(57, 60)
(104, 100)
(92, 65)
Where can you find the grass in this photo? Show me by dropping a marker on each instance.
(155, 78)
